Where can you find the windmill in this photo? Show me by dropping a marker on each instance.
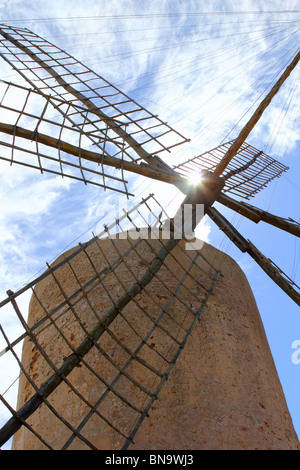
(51, 126)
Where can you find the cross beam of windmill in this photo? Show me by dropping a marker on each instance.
(51, 125)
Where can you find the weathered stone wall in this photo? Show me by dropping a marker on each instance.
(223, 393)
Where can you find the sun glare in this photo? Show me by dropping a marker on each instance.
(195, 178)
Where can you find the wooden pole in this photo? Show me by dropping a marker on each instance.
(247, 247)
(256, 215)
(154, 172)
(231, 152)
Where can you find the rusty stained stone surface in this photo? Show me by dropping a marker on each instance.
(223, 393)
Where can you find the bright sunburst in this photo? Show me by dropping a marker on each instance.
(195, 178)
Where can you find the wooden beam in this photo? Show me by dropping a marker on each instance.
(246, 246)
(256, 215)
(231, 152)
(274, 273)
(158, 173)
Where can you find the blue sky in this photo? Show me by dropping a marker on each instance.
(201, 67)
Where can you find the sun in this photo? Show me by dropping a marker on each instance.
(195, 178)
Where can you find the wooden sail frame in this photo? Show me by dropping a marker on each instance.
(36, 124)
(70, 304)
(51, 70)
(247, 173)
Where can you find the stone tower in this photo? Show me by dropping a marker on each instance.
(223, 393)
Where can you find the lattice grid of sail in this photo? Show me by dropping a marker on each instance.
(43, 133)
(126, 339)
(248, 172)
(54, 72)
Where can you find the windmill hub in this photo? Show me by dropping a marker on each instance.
(196, 178)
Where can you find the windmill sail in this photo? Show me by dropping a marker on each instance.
(141, 336)
(29, 115)
(249, 171)
(114, 124)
